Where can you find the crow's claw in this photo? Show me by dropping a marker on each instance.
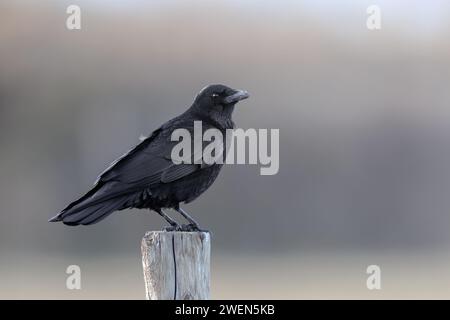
(192, 228)
(172, 228)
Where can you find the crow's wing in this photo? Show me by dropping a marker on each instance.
(112, 170)
(143, 167)
(149, 163)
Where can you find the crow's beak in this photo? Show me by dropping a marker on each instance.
(237, 96)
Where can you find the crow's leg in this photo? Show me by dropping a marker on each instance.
(174, 226)
(193, 225)
(187, 216)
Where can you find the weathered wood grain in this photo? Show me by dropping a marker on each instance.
(176, 265)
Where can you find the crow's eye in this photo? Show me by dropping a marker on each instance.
(215, 95)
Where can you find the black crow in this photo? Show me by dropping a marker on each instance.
(146, 176)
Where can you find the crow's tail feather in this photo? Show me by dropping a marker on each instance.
(86, 211)
(92, 214)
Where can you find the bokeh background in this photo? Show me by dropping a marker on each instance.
(364, 119)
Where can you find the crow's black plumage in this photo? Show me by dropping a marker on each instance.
(146, 177)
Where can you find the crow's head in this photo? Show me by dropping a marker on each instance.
(217, 101)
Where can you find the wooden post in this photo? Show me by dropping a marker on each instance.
(176, 265)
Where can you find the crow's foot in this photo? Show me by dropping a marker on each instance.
(192, 228)
(173, 228)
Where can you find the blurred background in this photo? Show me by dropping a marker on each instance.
(364, 119)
